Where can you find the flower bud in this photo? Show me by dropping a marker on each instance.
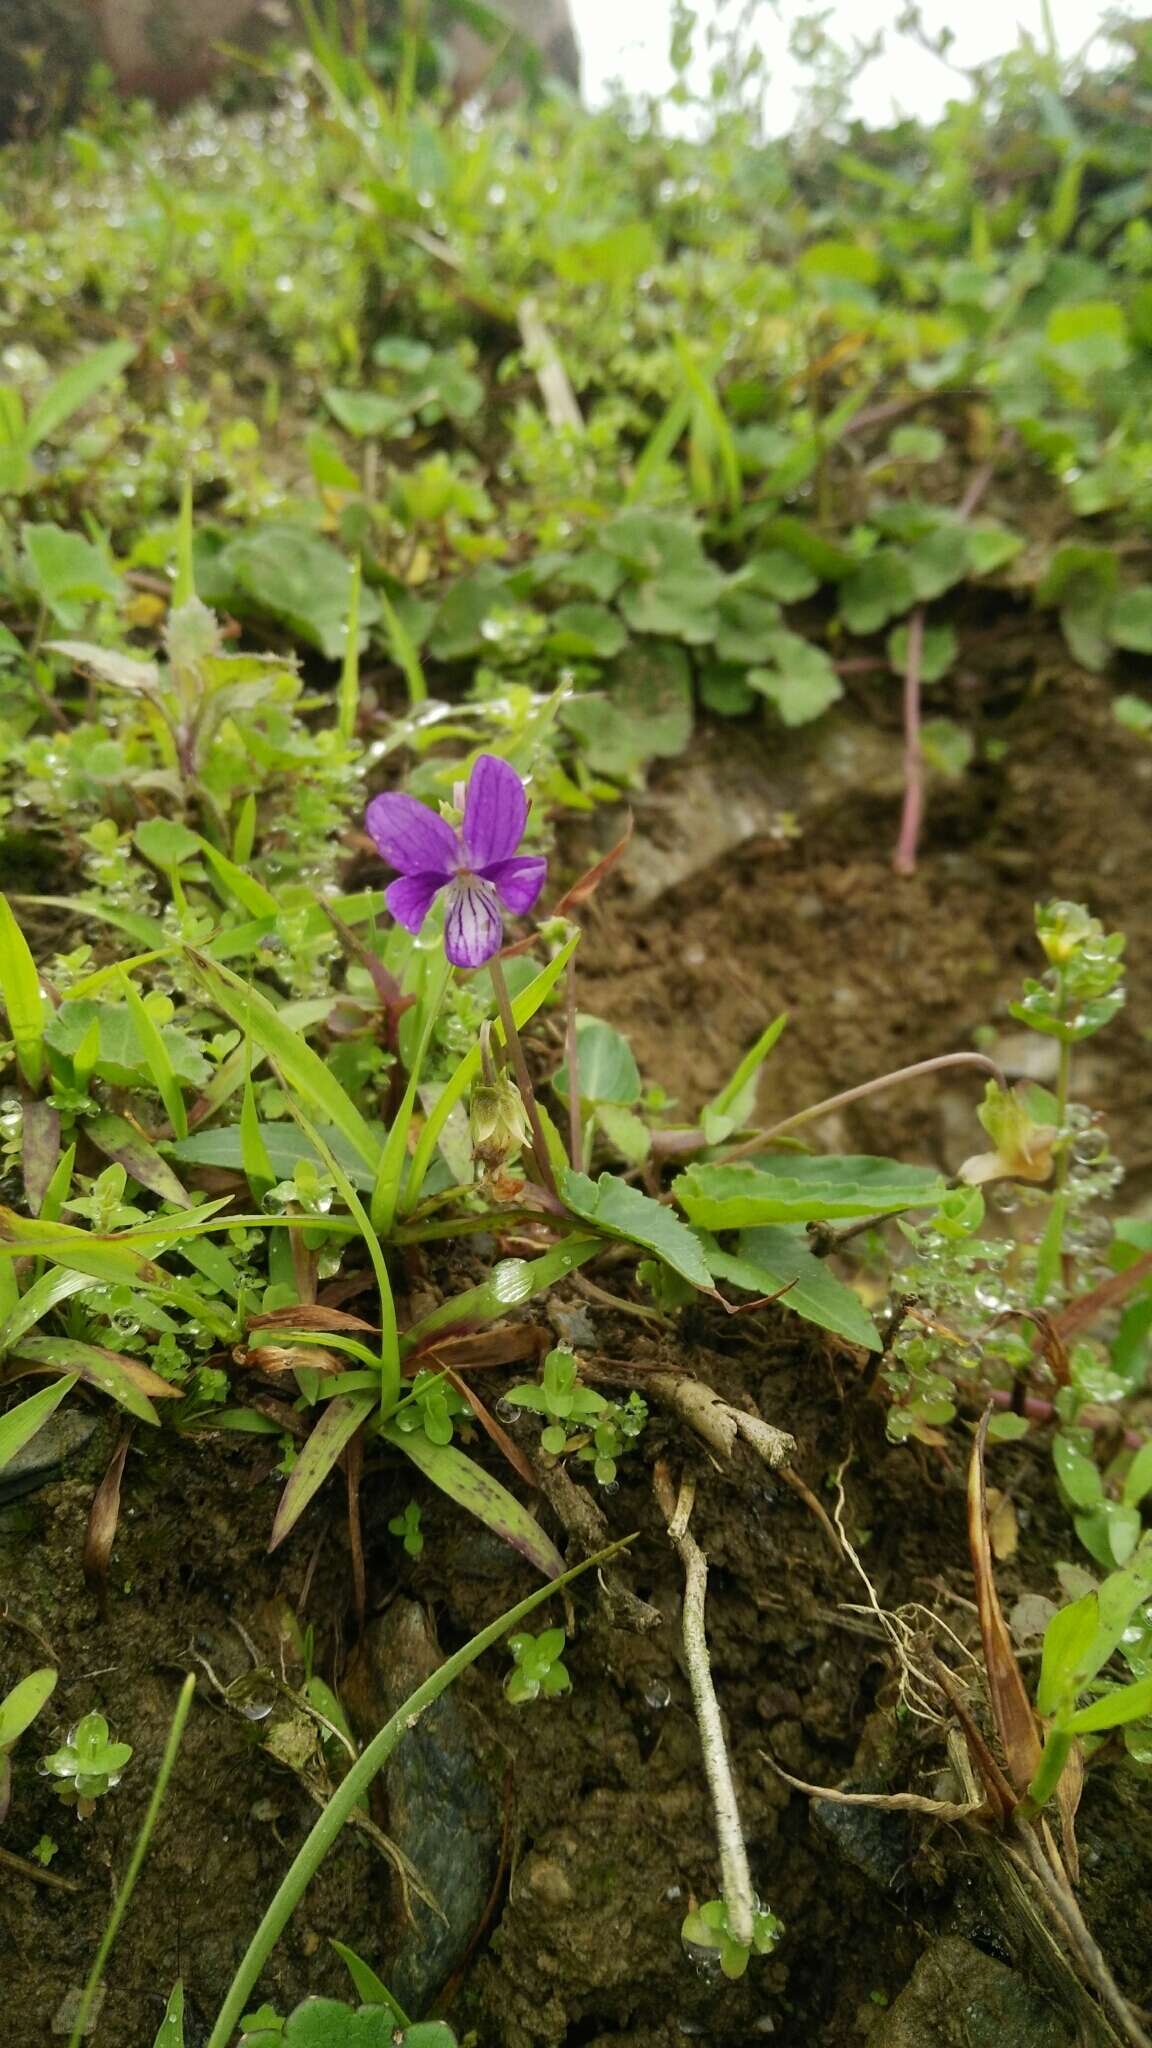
(498, 1122)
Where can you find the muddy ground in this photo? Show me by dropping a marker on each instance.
(569, 1838)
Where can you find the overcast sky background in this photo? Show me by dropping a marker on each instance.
(628, 40)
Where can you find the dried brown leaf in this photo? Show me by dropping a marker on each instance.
(586, 886)
(1011, 1707)
(103, 1521)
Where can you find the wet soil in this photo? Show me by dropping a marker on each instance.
(595, 1833)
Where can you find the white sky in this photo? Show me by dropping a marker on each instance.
(628, 39)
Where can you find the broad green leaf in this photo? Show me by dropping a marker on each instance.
(1088, 338)
(946, 746)
(512, 1282)
(585, 632)
(20, 1424)
(284, 1145)
(880, 589)
(619, 1210)
(132, 1385)
(118, 1139)
(1138, 1478)
(938, 651)
(67, 570)
(1078, 1475)
(20, 989)
(644, 714)
(607, 1070)
(772, 1258)
(19, 1708)
(302, 1068)
(473, 1488)
(122, 1058)
(802, 682)
(167, 843)
(1068, 1639)
(318, 1456)
(75, 386)
(803, 1190)
(1130, 620)
(369, 412)
(299, 578)
(626, 1132)
(746, 622)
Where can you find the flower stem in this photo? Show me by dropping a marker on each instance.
(523, 1078)
(572, 1058)
(847, 1095)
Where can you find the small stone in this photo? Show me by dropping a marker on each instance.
(548, 1883)
(958, 1997)
(64, 2018)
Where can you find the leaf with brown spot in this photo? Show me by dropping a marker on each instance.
(309, 1316)
(39, 1151)
(1003, 1527)
(1011, 1707)
(277, 1358)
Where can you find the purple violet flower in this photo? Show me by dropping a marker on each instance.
(478, 864)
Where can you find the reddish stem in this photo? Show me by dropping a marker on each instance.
(904, 859)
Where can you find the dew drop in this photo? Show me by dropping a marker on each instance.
(657, 1695)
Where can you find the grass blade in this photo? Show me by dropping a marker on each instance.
(322, 1451)
(21, 1423)
(156, 1053)
(471, 1487)
(20, 988)
(303, 1070)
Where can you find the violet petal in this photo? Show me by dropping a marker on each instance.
(472, 925)
(411, 898)
(518, 881)
(495, 812)
(411, 837)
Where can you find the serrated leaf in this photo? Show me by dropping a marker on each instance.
(799, 1190)
(622, 1211)
(772, 1258)
(627, 1133)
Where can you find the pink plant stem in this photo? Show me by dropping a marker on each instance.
(904, 859)
(1039, 1410)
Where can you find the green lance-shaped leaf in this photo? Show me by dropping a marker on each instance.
(471, 1487)
(20, 988)
(20, 1424)
(322, 1451)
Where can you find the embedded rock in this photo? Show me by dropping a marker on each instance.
(957, 1997)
